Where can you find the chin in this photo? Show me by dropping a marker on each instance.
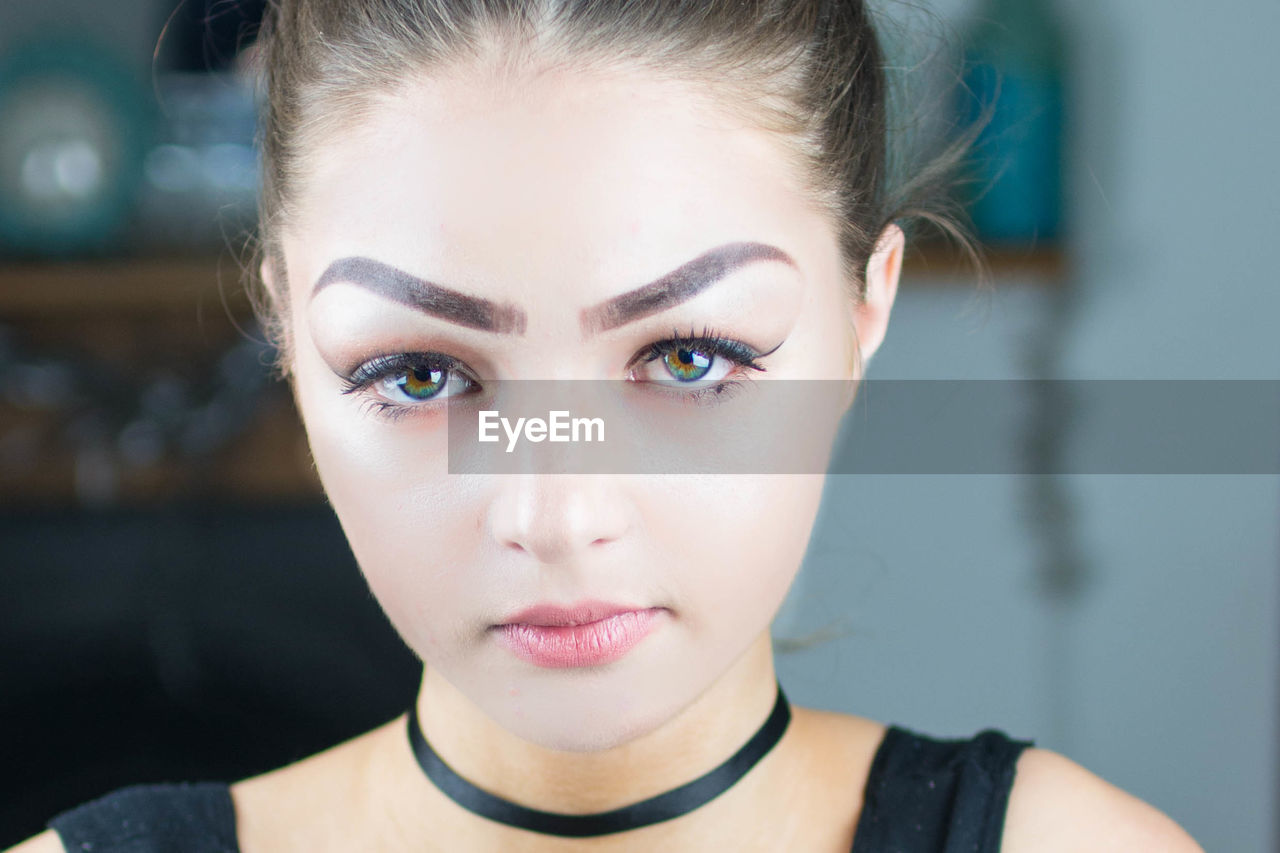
(598, 736)
(593, 717)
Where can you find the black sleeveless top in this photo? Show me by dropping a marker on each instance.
(923, 795)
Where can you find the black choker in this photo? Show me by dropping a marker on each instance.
(672, 804)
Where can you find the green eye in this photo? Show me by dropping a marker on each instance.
(406, 379)
(422, 383)
(706, 357)
(687, 364)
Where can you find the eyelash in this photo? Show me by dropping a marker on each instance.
(709, 341)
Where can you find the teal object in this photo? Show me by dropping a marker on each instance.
(1015, 67)
(75, 126)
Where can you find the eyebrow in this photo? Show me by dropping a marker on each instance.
(425, 296)
(677, 286)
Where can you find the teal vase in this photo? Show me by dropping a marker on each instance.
(1014, 67)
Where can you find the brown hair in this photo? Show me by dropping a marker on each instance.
(810, 70)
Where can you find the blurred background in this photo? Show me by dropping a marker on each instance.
(152, 473)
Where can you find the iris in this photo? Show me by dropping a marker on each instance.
(687, 364)
(421, 383)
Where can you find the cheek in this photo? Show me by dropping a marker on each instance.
(735, 544)
(407, 520)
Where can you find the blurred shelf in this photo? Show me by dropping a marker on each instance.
(933, 264)
(270, 463)
(116, 285)
(141, 314)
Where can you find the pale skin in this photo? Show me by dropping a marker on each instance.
(617, 178)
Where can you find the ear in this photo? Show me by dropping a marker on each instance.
(268, 278)
(282, 326)
(871, 313)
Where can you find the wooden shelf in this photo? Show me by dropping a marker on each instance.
(940, 264)
(135, 317)
(115, 285)
(269, 463)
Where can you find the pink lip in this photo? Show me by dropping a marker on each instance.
(582, 644)
(575, 614)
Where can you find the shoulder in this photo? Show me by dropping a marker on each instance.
(1057, 806)
(46, 842)
(326, 801)
(840, 746)
(199, 816)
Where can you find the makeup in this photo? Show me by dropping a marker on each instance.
(398, 285)
(677, 286)
(581, 645)
(696, 367)
(680, 285)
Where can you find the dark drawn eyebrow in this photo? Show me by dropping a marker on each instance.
(425, 296)
(679, 285)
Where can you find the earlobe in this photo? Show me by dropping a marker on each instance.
(264, 272)
(275, 307)
(871, 314)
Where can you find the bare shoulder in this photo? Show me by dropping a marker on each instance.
(845, 743)
(318, 803)
(838, 725)
(46, 842)
(837, 750)
(1060, 807)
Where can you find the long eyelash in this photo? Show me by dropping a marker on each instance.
(391, 365)
(384, 366)
(709, 339)
(383, 409)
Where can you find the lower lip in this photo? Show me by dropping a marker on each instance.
(589, 644)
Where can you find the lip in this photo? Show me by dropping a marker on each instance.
(579, 645)
(581, 613)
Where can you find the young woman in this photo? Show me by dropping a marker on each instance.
(462, 192)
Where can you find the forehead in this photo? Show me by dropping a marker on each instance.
(557, 172)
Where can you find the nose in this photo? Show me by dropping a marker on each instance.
(557, 518)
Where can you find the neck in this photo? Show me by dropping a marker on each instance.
(635, 759)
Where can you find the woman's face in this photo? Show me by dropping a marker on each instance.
(544, 199)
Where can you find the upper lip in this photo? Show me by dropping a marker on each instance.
(548, 614)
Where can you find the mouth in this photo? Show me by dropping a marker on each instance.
(550, 615)
(581, 644)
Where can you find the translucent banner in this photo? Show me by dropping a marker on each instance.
(873, 427)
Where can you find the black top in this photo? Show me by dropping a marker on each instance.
(923, 795)
(926, 795)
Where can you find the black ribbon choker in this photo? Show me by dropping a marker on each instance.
(665, 806)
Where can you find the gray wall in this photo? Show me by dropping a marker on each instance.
(1160, 675)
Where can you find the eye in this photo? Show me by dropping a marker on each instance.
(399, 384)
(705, 358)
(406, 380)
